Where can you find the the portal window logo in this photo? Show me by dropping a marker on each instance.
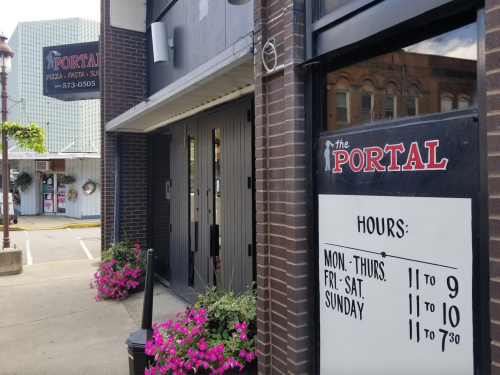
(50, 58)
(369, 159)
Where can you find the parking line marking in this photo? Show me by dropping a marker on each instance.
(83, 245)
(28, 251)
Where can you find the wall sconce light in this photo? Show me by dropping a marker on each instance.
(237, 2)
(161, 43)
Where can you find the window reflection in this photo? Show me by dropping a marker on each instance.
(328, 6)
(435, 75)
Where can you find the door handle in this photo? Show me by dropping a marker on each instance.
(214, 239)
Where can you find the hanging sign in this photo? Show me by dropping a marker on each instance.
(397, 247)
(71, 72)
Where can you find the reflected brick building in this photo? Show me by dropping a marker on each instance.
(396, 85)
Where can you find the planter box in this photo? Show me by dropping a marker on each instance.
(141, 286)
(249, 369)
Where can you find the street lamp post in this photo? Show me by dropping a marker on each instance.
(5, 64)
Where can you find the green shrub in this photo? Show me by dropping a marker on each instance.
(125, 253)
(225, 310)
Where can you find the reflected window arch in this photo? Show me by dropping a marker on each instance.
(391, 90)
(463, 102)
(342, 86)
(367, 108)
(446, 102)
(412, 100)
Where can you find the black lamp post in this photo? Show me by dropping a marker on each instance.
(6, 56)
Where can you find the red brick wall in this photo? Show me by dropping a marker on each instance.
(123, 85)
(493, 142)
(280, 192)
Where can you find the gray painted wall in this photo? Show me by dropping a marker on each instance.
(201, 29)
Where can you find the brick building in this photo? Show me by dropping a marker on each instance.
(374, 88)
(216, 157)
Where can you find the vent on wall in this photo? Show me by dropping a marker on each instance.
(43, 166)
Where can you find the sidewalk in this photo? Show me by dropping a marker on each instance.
(51, 324)
(51, 222)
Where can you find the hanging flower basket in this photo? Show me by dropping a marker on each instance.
(23, 181)
(68, 180)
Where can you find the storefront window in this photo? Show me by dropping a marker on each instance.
(328, 6)
(436, 75)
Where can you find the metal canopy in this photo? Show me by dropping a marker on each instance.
(225, 77)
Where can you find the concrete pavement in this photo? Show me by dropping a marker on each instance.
(51, 324)
(42, 246)
(51, 222)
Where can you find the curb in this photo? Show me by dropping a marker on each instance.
(87, 225)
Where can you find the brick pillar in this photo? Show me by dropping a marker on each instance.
(493, 143)
(281, 197)
(123, 85)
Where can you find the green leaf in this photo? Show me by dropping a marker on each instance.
(224, 334)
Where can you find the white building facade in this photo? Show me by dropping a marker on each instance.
(72, 127)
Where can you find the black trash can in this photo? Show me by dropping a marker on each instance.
(138, 360)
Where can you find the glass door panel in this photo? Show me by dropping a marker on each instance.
(48, 184)
(61, 196)
(216, 144)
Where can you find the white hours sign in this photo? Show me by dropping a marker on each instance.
(395, 277)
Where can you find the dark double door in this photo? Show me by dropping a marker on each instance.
(211, 208)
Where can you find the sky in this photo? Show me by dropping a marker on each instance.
(461, 43)
(14, 11)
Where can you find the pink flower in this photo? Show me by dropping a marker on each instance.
(138, 259)
(237, 326)
(249, 356)
(113, 261)
(241, 368)
(243, 336)
(189, 365)
(178, 314)
(138, 250)
(203, 311)
(256, 352)
(243, 326)
(205, 364)
(242, 353)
